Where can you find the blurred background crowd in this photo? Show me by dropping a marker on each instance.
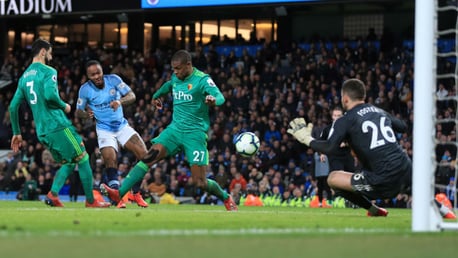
(263, 93)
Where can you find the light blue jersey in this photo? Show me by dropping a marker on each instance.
(99, 101)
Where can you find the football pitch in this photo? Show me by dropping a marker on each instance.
(32, 229)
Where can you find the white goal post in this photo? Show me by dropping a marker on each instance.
(425, 216)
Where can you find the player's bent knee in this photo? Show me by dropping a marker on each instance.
(150, 156)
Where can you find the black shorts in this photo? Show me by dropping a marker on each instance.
(383, 185)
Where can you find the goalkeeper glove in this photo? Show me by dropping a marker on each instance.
(301, 131)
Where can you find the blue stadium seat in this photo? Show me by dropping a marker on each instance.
(238, 50)
(408, 44)
(445, 45)
(305, 46)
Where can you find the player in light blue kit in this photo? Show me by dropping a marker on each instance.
(105, 95)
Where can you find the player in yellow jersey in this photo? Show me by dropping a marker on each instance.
(38, 87)
(193, 92)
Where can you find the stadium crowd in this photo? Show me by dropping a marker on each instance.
(263, 92)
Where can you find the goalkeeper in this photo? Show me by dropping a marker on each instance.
(369, 131)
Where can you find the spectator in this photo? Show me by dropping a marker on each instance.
(173, 188)
(43, 186)
(276, 182)
(298, 179)
(255, 175)
(190, 190)
(442, 92)
(234, 79)
(3, 181)
(21, 169)
(450, 190)
(222, 178)
(237, 193)
(264, 192)
(286, 198)
(238, 179)
(29, 191)
(18, 177)
(445, 169)
(157, 188)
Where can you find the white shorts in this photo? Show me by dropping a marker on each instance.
(111, 139)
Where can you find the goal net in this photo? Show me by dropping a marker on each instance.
(435, 113)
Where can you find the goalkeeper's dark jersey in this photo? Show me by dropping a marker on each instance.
(341, 158)
(369, 132)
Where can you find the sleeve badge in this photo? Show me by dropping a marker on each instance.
(211, 82)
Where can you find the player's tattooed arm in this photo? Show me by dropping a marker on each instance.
(126, 100)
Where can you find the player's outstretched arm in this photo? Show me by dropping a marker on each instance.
(164, 89)
(337, 136)
(397, 124)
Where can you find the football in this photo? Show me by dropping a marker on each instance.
(247, 144)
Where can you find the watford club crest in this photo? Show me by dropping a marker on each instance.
(189, 86)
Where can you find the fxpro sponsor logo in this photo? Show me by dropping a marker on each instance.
(180, 95)
(24, 7)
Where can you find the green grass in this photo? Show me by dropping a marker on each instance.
(31, 229)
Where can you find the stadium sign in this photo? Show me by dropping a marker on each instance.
(28, 7)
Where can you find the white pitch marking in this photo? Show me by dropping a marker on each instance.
(210, 232)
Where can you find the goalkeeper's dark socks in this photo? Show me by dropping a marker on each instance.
(357, 199)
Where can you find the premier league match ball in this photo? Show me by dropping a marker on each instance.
(247, 144)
